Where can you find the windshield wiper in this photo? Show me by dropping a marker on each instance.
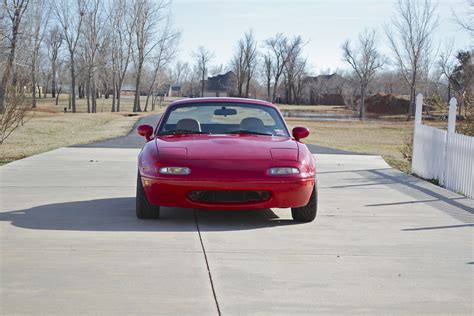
(249, 132)
(182, 131)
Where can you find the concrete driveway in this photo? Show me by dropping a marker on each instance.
(383, 243)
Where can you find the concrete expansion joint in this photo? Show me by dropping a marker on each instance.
(207, 264)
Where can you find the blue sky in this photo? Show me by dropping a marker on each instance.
(325, 24)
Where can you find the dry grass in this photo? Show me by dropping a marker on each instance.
(49, 128)
(339, 109)
(103, 105)
(385, 138)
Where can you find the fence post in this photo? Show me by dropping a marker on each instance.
(418, 114)
(452, 115)
(419, 108)
(451, 131)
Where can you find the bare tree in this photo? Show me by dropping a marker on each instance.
(463, 80)
(148, 15)
(15, 10)
(238, 65)
(180, 72)
(409, 35)
(251, 59)
(294, 69)
(70, 15)
(267, 71)
(13, 113)
(299, 75)
(94, 33)
(278, 54)
(122, 22)
(203, 58)
(447, 64)
(364, 60)
(54, 41)
(39, 16)
(466, 22)
(163, 54)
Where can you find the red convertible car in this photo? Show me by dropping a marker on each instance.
(226, 154)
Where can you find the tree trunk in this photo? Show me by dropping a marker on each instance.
(33, 81)
(153, 102)
(73, 84)
(411, 107)
(94, 96)
(146, 102)
(362, 102)
(247, 87)
(57, 96)
(53, 79)
(11, 58)
(88, 93)
(114, 93)
(202, 85)
(275, 86)
(449, 90)
(45, 89)
(268, 90)
(119, 91)
(136, 101)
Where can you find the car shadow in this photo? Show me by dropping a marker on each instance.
(118, 214)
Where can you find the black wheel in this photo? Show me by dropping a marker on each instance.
(145, 210)
(308, 212)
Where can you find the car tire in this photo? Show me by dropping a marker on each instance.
(308, 212)
(144, 209)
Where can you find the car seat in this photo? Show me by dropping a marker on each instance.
(252, 124)
(188, 125)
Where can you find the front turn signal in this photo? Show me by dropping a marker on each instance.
(175, 170)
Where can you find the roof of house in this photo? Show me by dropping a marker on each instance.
(221, 82)
(328, 81)
(128, 87)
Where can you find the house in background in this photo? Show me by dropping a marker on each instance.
(174, 90)
(324, 89)
(128, 90)
(221, 85)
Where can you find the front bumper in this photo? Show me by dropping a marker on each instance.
(175, 192)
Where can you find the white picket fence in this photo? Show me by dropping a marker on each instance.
(442, 155)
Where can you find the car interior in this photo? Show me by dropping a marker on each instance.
(251, 124)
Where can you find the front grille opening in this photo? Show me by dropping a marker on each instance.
(229, 196)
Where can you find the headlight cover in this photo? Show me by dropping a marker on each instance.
(282, 171)
(175, 170)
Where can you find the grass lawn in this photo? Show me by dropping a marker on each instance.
(49, 128)
(336, 109)
(381, 137)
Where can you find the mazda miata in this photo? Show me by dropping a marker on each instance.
(225, 154)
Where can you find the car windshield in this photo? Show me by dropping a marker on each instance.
(223, 118)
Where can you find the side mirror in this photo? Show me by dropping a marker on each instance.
(145, 131)
(300, 132)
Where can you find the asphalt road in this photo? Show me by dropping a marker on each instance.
(383, 243)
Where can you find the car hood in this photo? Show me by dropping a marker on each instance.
(226, 147)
